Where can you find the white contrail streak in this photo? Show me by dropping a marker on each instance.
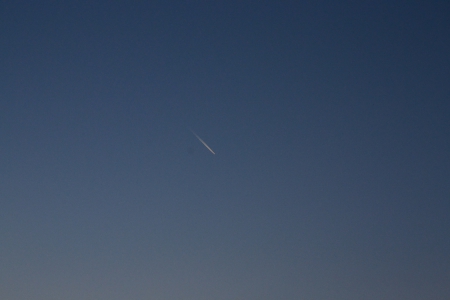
(202, 142)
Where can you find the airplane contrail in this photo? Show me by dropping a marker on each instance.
(202, 141)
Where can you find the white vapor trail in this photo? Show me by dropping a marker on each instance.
(202, 142)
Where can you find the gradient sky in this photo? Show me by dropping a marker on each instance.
(329, 120)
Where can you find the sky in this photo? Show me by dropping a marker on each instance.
(330, 125)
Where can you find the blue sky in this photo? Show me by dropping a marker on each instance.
(329, 121)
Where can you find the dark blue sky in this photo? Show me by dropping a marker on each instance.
(329, 120)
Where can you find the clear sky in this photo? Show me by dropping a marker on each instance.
(330, 123)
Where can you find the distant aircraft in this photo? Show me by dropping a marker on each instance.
(202, 141)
